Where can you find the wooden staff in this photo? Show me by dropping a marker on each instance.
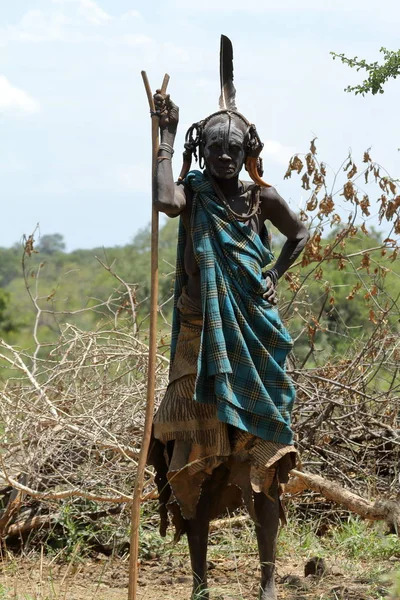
(135, 515)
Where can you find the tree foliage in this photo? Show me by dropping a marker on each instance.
(65, 284)
(74, 375)
(50, 244)
(378, 74)
(6, 322)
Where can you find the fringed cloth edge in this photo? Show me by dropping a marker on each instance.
(193, 443)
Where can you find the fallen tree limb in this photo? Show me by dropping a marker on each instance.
(380, 510)
(40, 522)
(237, 521)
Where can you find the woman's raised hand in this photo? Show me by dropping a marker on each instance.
(167, 111)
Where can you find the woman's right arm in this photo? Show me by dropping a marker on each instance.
(170, 198)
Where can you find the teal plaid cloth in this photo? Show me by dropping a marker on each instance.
(241, 364)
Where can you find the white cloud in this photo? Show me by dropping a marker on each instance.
(15, 100)
(37, 26)
(62, 21)
(89, 10)
(277, 152)
(284, 6)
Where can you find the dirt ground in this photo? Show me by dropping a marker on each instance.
(169, 578)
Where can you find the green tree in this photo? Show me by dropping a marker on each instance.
(10, 264)
(52, 243)
(378, 74)
(6, 323)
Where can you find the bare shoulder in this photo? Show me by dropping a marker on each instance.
(272, 203)
(271, 195)
(267, 193)
(278, 212)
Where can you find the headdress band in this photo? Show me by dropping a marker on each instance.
(195, 135)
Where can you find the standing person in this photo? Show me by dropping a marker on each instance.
(222, 434)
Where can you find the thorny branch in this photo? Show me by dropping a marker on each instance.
(72, 413)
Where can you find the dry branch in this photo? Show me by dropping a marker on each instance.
(72, 414)
(237, 521)
(44, 521)
(380, 510)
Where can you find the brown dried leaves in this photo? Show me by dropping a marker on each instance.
(364, 204)
(326, 206)
(313, 148)
(28, 248)
(310, 162)
(348, 191)
(295, 164)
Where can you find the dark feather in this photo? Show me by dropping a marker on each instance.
(228, 92)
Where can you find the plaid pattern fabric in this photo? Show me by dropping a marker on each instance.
(241, 364)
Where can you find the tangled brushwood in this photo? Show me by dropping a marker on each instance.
(71, 412)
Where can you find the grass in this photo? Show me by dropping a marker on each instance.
(353, 539)
(363, 555)
(3, 592)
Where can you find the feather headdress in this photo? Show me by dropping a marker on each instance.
(227, 99)
(227, 104)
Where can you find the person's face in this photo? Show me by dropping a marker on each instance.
(223, 149)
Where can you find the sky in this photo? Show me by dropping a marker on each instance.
(75, 151)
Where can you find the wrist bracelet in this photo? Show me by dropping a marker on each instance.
(273, 275)
(166, 147)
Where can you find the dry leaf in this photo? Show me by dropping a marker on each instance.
(311, 166)
(354, 291)
(365, 262)
(352, 172)
(318, 179)
(312, 203)
(348, 165)
(295, 164)
(313, 148)
(326, 205)
(390, 210)
(367, 157)
(372, 317)
(394, 255)
(318, 274)
(29, 249)
(365, 205)
(305, 182)
(393, 188)
(348, 190)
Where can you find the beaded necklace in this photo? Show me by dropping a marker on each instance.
(254, 204)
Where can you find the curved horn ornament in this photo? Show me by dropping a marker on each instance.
(252, 169)
(227, 104)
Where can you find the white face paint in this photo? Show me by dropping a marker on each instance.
(224, 148)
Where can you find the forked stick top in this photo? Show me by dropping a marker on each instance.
(149, 92)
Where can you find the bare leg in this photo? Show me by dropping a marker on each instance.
(267, 513)
(197, 533)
